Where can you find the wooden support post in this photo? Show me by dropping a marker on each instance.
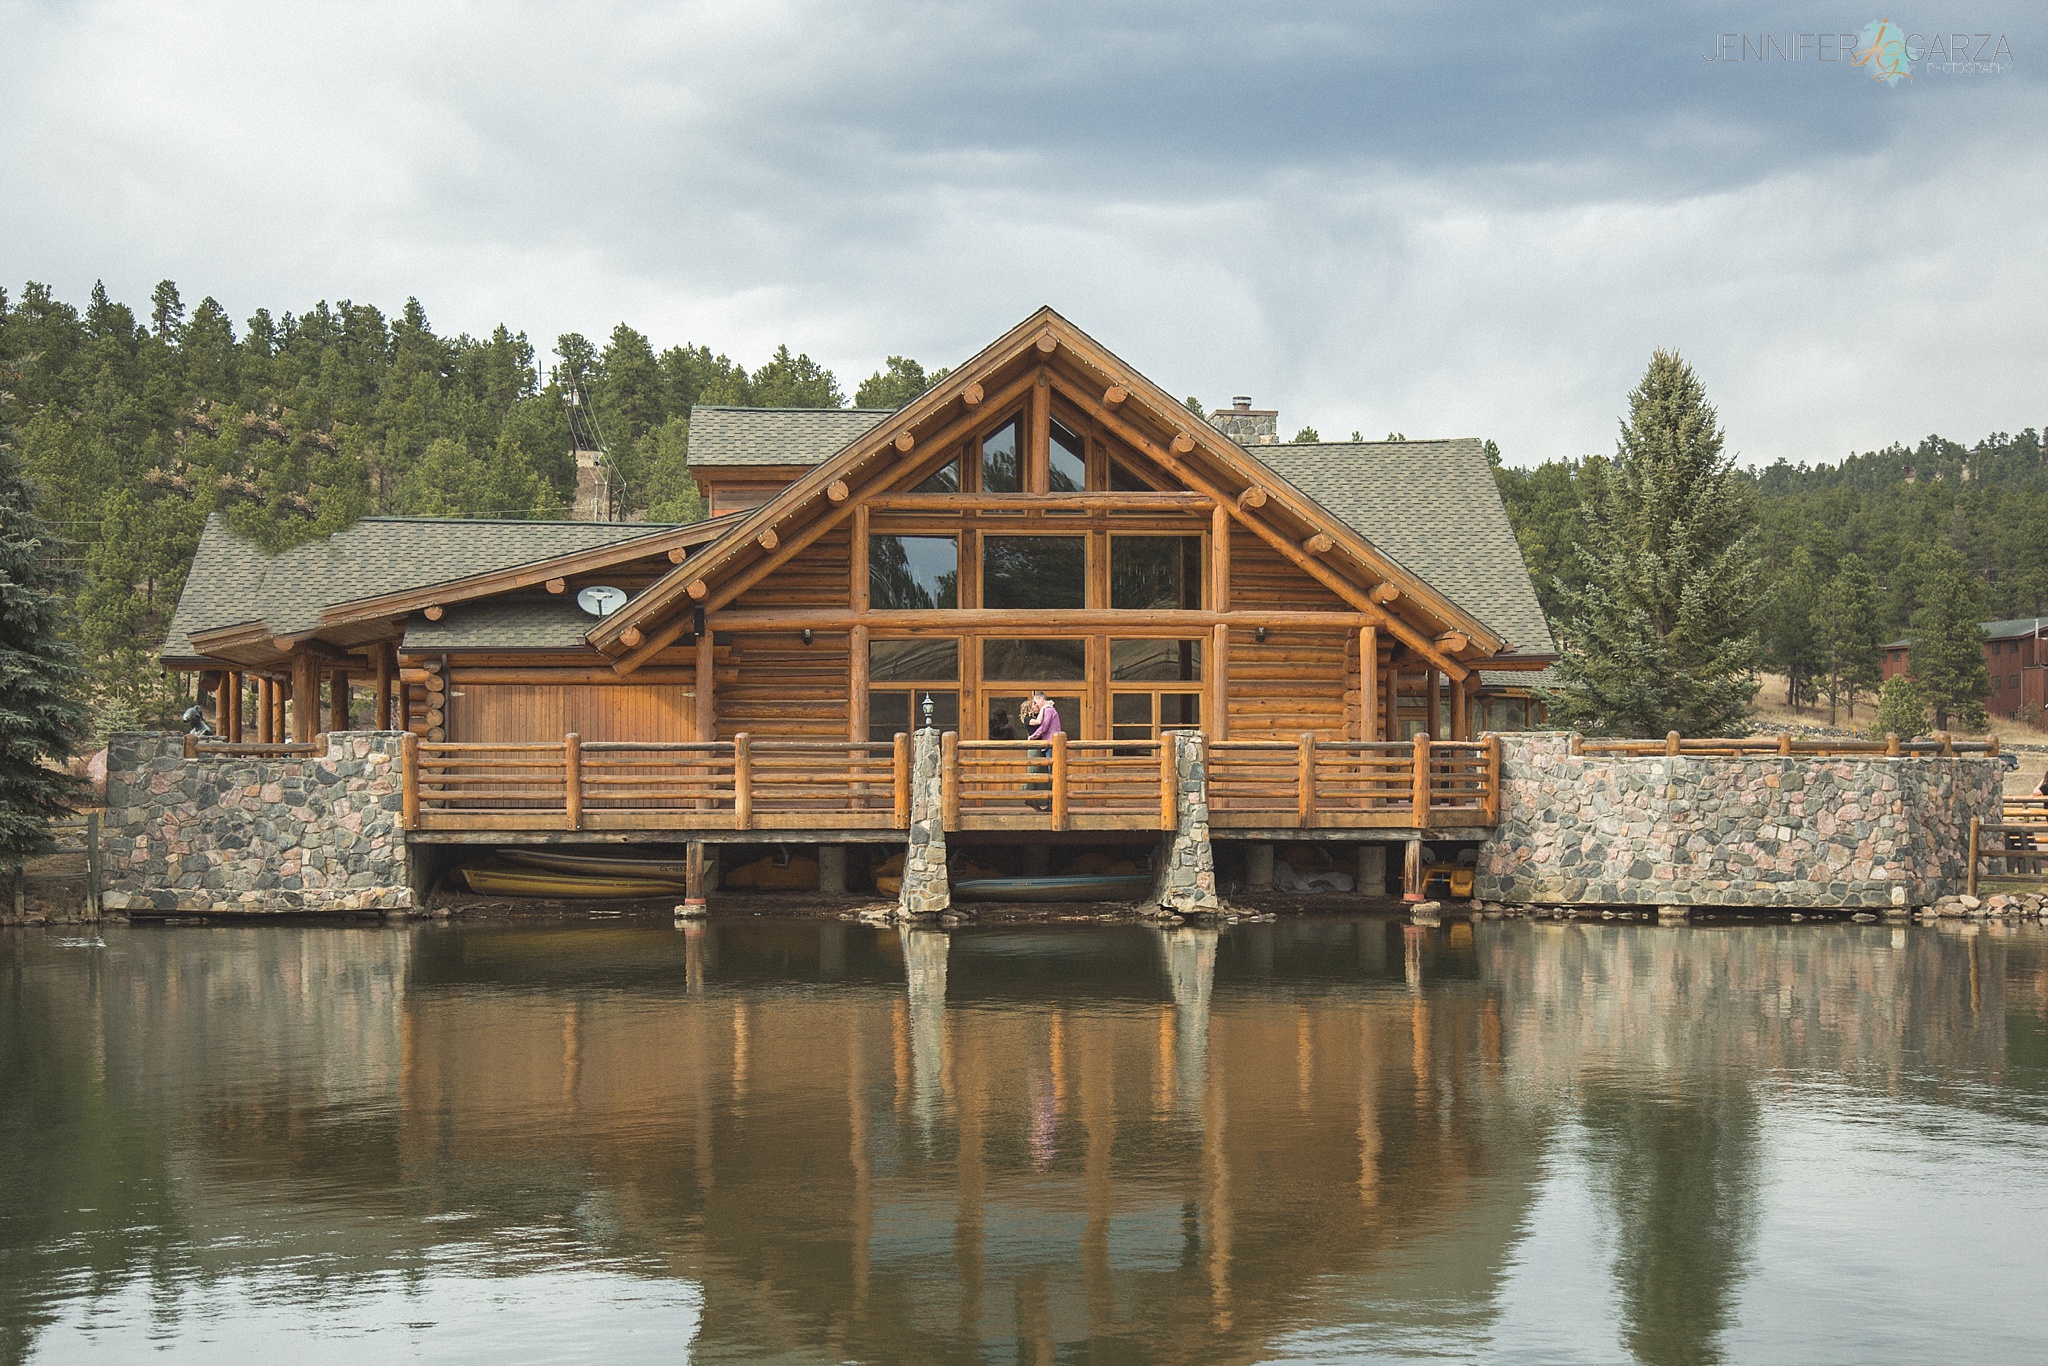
(858, 586)
(572, 781)
(191, 745)
(742, 781)
(902, 762)
(262, 711)
(305, 698)
(1219, 683)
(1059, 781)
(1393, 701)
(409, 779)
(338, 700)
(1784, 742)
(857, 685)
(1219, 559)
(1461, 706)
(1976, 826)
(1368, 682)
(1421, 793)
(949, 780)
(1412, 878)
(1435, 695)
(92, 860)
(1892, 748)
(1169, 781)
(385, 670)
(1305, 781)
(693, 873)
(707, 716)
(1492, 799)
(1671, 743)
(1036, 457)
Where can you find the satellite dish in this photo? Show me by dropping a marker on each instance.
(601, 602)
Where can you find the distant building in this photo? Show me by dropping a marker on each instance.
(2013, 654)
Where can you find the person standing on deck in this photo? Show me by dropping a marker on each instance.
(1045, 723)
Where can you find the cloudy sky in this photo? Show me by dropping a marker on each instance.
(1445, 220)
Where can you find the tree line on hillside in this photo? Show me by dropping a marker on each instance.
(1918, 543)
(133, 429)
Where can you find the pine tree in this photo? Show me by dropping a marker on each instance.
(1948, 641)
(1662, 636)
(896, 386)
(1789, 642)
(42, 716)
(1846, 635)
(1901, 709)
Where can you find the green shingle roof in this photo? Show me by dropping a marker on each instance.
(1434, 508)
(233, 582)
(517, 621)
(775, 436)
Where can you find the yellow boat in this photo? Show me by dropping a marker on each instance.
(534, 882)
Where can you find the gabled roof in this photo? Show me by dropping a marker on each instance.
(235, 583)
(1045, 348)
(774, 436)
(1435, 507)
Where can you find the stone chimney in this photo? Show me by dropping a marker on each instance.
(1246, 425)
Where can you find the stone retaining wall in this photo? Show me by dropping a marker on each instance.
(1758, 831)
(272, 834)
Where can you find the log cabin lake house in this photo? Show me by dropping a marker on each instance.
(1316, 644)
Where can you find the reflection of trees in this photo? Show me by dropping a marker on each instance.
(1034, 571)
(1680, 1171)
(895, 582)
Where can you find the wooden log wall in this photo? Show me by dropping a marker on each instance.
(1292, 682)
(1261, 577)
(821, 576)
(774, 686)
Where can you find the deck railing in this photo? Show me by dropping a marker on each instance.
(748, 783)
(739, 784)
(1941, 744)
(1309, 783)
(1057, 784)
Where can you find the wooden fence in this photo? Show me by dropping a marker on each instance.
(1057, 784)
(737, 784)
(1744, 746)
(1008, 785)
(1309, 783)
(2020, 849)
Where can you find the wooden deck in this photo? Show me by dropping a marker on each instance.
(790, 786)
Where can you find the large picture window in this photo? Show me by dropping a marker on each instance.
(1155, 661)
(1034, 661)
(1069, 461)
(913, 661)
(893, 711)
(1034, 571)
(910, 573)
(1154, 573)
(908, 672)
(1002, 460)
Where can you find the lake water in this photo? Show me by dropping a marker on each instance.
(1337, 1139)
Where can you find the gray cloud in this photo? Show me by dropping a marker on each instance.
(1473, 219)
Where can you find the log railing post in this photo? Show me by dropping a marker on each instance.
(1948, 747)
(191, 745)
(1976, 827)
(92, 864)
(742, 781)
(1169, 779)
(949, 780)
(572, 781)
(1784, 742)
(1671, 742)
(902, 762)
(1305, 782)
(1892, 748)
(409, 779)
(1421, 793)
(1491, 801)
(1059, 781)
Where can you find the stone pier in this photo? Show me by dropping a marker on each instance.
(1187, 874)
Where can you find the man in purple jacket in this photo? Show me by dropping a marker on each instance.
(1045, 723)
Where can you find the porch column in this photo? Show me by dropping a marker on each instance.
(707, 716)
(1461, 707)
(338, 700)
(305, 698)
(384, 661)
(1368, 683)
(1435, 695)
